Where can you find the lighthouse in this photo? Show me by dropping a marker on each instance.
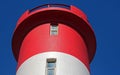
(53, 39)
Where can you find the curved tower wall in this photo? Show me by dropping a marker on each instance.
(53, 39)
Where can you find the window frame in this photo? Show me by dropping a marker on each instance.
(51, 60)
(54, 29)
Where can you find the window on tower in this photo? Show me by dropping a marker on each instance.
(51, 66)
(53, 29)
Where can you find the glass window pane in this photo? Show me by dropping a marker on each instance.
(51, 65)
(50, 72)
(53, 29)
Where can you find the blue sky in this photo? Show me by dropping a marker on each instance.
(104, 16)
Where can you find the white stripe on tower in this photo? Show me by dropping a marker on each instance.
(65, 65)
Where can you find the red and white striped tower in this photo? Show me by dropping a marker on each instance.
(53, 39)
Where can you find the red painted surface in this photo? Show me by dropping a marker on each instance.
(67, 41)
(32, 34)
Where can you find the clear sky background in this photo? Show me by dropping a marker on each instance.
(104, 16)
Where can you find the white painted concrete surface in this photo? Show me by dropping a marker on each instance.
(65, 65)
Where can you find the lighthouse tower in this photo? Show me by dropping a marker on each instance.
(53, 39)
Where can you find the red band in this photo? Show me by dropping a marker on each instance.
(39, 40)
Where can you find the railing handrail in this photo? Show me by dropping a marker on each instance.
(50, 5)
